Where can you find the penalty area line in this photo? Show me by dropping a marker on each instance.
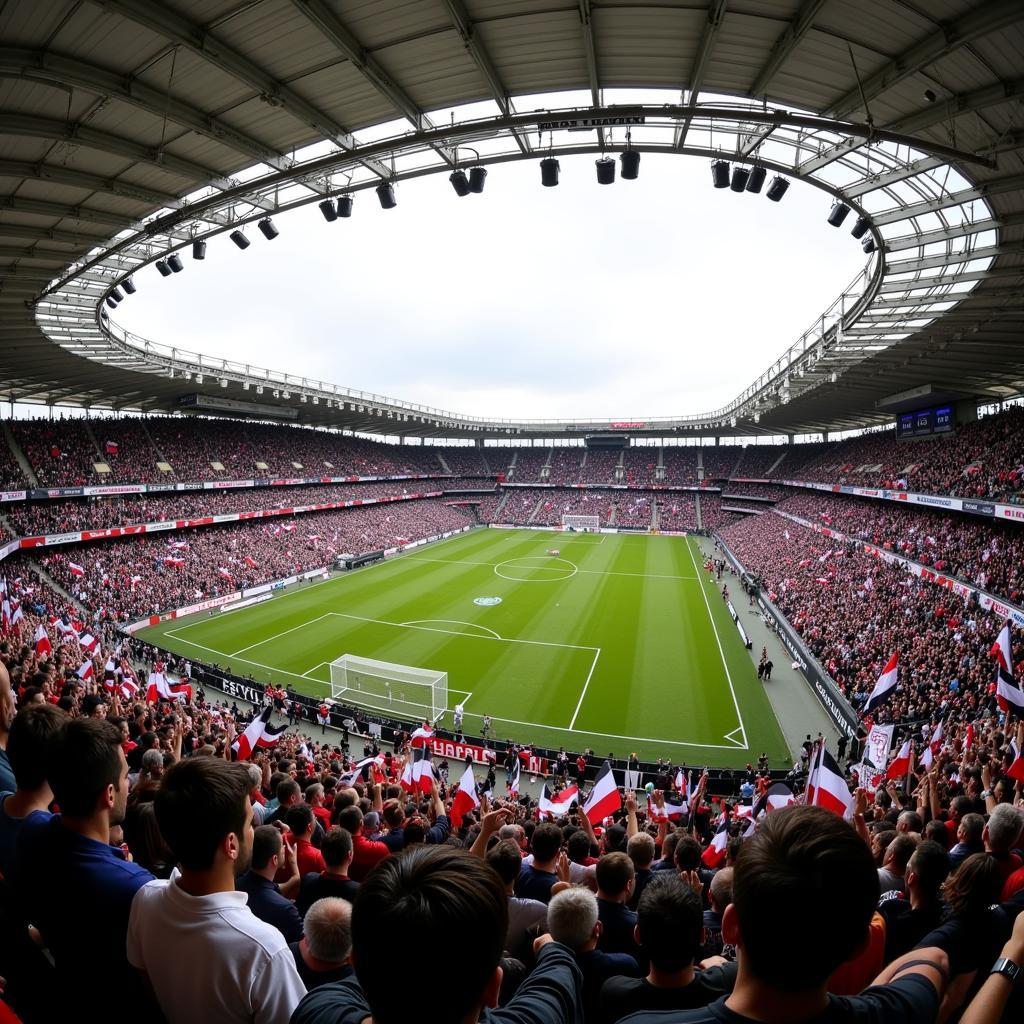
(590, 675)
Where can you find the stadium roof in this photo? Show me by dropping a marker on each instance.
(131, 127)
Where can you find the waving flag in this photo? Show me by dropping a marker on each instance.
(85, 670)
(668, 811)
(933, 746)
(171, 560)
(350, 777)
(42, 641)
(886, 685)
(900, 764)
(552, 806)
(826, 786)
(1016, 769)
(1008, 693)
(17, 614)
(259, 734)
(76, 569)
(421, 736)
(512, 781)
(775, 797)
(466, 799)
(604, 798)
(714, 855)
(88, 642)
(161, 688)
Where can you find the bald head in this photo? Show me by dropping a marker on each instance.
(327, 929)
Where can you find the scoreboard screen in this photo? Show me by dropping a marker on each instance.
(926, 422)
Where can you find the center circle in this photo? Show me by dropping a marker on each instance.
(536, 569)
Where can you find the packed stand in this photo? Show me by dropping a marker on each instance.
(487, 507)
(600, 467)
(680, 464)
(467, 460)
(529, 462)
(640, 465)
(555, 504)
(757, 460)
(460, 483)
(62, 452)
(720, 461)
(144, 575)
(127, 449)
(678, 511)
(712, 515)
(564, 467)
(988, 554)
(770, 492)
(11, 476)
(519, 508)
(798, 457)
(633, 510)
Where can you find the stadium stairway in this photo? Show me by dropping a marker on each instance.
(775, 465)
(444, 465)
(510, 470)
(611, 517)
(19, 456)
(696, 505)
(654, 515)
(100, 457)
(536, 509)
(54, 585)
(149, 437)
(700, 468)
(501, 507)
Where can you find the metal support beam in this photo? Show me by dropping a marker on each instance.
(716, 14)
(953, 231)
(88, 182)
(981, 20)
(957, 104)
(886, 178)
(176, 28)
(786, 44)
(586, 14)
(967, 195)
(39, 208)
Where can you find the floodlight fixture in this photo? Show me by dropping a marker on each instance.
(720, 173)
(239, 238)
(161, 265)
(868, 244)
(328, 209)
(838, 213)
(223, 382)
(267, 229)
(460, 182)
(174, 262)
(778, 188)
(111, 302)
(755, 182)
(386, 194)
(605, 166)
(116, 293)
(629, 164)
(344, 206)
(199, 248)
(860, 228)
(740, 177)
(477, 179)
(199, 378)
(549, 169)
(129, 285)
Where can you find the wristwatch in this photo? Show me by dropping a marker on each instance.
(1007, 968)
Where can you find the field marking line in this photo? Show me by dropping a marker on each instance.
(721, 652)
(309, 672)
(542, 568)
(588, 572)
(590, 674)
(276, 636)
(454, 632)
(459, 622)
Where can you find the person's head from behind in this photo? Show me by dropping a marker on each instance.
(1003, 829)
(927, 870)
(669, 923)
(546, 842)
(507, 859)
(720, 890)
(640, 849)
(974, 886)
(970, 829)
(687, 854)
(267, 849)
(351, 820)
(35, 732)
(300, 819)
(88, 772)
(615, 876)
(204, 814)
(452, 897)
(899, 852)
(800, 860)
(578, 846)
(572, 919)
(288, 792)
(327, 929)
(336, 849)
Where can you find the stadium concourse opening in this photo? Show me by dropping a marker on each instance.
(658, 657)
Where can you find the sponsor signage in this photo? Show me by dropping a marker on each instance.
(581, 123)
(13, 495)
(629, 425)
(979, 508)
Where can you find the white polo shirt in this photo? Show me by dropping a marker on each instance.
(210, 957)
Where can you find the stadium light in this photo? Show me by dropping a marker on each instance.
(344, 206)
(720, 173)
(386, 195)
(161, 265)
(199, 378)
(777, 189)
(740, 177)
(267, 229)
(223, 382)
(328, 209)
(174, 262)
(259, 389)
(838, 213)
(549, 169)
(245, 385)
(460, 182)
(868, 244)
(605, 166)
(129, 285)
(111, 302)
(629, 160)
(755, 182)
(238, 237)
(116, 293)
(477, 178)
(860, 228)
(199, 249)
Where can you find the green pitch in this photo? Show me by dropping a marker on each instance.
(621, 643)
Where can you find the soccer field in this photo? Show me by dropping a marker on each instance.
(622, 643)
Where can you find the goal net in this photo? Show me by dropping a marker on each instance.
(581, 523)
(401, 691)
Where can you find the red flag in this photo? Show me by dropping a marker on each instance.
(886, 685)
(466, 799)
(604, 798)
(76, 569)
(1016, 769)
(714, 855)
(258, 734)
(422, 735)
(900, 764)
(42, 641)
(826, 786)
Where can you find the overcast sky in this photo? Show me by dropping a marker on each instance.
(645, 298)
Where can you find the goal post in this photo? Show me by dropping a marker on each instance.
(586, 523)
(402, 691)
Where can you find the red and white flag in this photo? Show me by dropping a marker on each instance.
(42, 641)
(17, 614)
(932, 747)
(1016, 769)
(604, 798)
(85, 670)
(251, 562)
(555, 806)
(259, 734)
(1009, 695)
(714, 855)
(421, 736)
(886, 685)
(900, 764)
(826, 786)
(775, 798)
(177, 563)
(375, 763)
(668, 811)
(161, 688)
(88, 642)
(466, 799)
(76, 569)
(223, 572)
(512, 780)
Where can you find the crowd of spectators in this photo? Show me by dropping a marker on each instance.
(633, 509)
(640, 465)
(517, 509)
(600, 467)
(466, 460)
(528, 464)
(987, 553)
(564, 466)
(712, 515)
(757, 460)
(677, 511)
(137, 576)
(62, 452)
(772, 492)
(721, 461)
(680, 463)
(556, 503)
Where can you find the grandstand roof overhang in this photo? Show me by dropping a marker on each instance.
(131, 127)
